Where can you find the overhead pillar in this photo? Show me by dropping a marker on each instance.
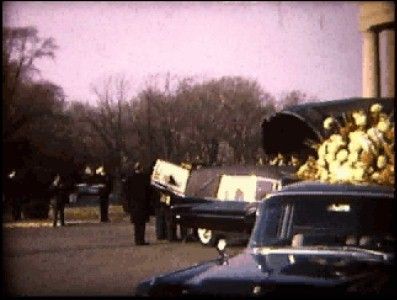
(370, 67)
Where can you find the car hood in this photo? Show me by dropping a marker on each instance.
(254, 273)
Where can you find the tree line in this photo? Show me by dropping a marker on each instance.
(211, 122)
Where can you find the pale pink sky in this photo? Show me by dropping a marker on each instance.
(314, 47)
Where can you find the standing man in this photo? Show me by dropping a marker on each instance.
(61, 185)
(138, 197)
(169, 218)
(13, 192)
(159, 211)
(106, 180)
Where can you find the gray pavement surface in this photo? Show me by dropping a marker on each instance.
(89, 259)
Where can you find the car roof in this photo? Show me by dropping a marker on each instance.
(287, 131)
(316, 187)
(204, 182)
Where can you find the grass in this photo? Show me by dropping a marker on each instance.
(116, 213)
(83, 213)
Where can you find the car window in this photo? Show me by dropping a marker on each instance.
(237, 188)
(278, 221)
(325, 215)
(325, 220)
(263, 187)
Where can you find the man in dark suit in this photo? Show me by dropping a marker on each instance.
(106, 180)
(169, 218)
(159, 211)
(138, 197)
(13, 191)
(62, 186)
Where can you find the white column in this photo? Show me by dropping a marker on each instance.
(387, 65)
(370, 64)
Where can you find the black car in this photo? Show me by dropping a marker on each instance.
(207, 200)
(308, 239)
(212, 208)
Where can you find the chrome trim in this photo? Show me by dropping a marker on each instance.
(330, 193)
(357, 252)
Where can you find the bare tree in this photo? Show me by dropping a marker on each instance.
(292, 98)
(22, 47)
(110, 119)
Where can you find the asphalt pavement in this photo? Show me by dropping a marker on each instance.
(88, 258)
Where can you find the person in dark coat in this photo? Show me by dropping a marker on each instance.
(106, 180)
(159, 211)
(138, 196)
(169, 218)
(13, 192)
(61, 187)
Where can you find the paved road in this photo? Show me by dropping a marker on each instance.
(89, 259)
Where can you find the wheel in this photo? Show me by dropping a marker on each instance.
(206, 237)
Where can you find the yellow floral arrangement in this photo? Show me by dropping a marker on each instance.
(359, 151)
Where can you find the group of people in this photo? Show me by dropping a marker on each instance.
(143, 200)
(64, 185)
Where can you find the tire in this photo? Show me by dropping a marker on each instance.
(206, 237)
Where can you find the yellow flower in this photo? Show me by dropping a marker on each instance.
(359, 140)
(336, 142)
(354, 147)
(302, 170)
(323, 175)
(360, 118)
(328, 122)
(342, 173)
(375, 135)
(321, 162)
(342, 155)
(376, 108)
(381, 162)
(358, 174)
(383, 125)
(322, 150)
(330, 157)
(375, 176)
(337, 138)
(334, 166)
(361, 166)
(353, 157)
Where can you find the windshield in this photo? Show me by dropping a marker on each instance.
(299, 221)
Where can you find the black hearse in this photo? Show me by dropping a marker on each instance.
(218, 202)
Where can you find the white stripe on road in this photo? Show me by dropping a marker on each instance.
(49, 224)
(44, 224)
